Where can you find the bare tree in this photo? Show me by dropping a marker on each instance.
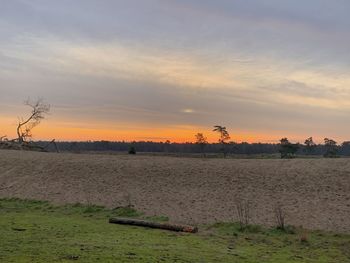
(201, 140)
(3, 138)
(25, 126)
(224, 137)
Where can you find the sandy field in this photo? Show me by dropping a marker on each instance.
(315, 193)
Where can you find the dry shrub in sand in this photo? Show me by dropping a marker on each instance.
(127, 198)
(280, 216)
(243, 214)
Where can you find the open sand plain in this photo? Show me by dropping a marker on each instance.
(315, 193)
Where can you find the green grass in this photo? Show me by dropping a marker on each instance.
(32, 231)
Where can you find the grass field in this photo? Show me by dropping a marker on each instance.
(33, 231)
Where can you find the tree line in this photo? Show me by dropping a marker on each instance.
(286, 149)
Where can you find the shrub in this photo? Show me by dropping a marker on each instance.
(132, 150)
(243, 214)
(280, 216)
(304, 237)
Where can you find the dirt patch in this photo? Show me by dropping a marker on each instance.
(315, 193)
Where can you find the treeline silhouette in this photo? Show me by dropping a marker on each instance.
(225, 147)
(189, 147)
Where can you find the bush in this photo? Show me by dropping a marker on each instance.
(243, 214)
(132, 150)
(280, 216)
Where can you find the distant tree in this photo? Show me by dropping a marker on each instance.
(167, 145)
(25, 125)
(309, 145)
(331, 148)
(201, 140)
(288, 149)
(346, 144)
(284, 147)
(132, 150)
(224, 137)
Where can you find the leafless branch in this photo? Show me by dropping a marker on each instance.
(38, 112)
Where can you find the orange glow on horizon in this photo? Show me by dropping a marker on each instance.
(180, 134)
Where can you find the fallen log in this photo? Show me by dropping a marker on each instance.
(15, 145)
(166, 226)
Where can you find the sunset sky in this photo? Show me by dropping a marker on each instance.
(167, 69)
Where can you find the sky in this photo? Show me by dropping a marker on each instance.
(167, 69)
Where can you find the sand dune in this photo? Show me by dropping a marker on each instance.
(314, 192)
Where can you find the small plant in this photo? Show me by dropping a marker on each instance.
(243, 214)
(304, 237)
(125, 212)
(280, 216)
(92, 209)
(289, 229)
(157, 218)
(127, 197)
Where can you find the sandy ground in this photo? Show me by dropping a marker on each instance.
(315, 193)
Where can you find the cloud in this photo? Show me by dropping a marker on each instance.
(113, 64)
